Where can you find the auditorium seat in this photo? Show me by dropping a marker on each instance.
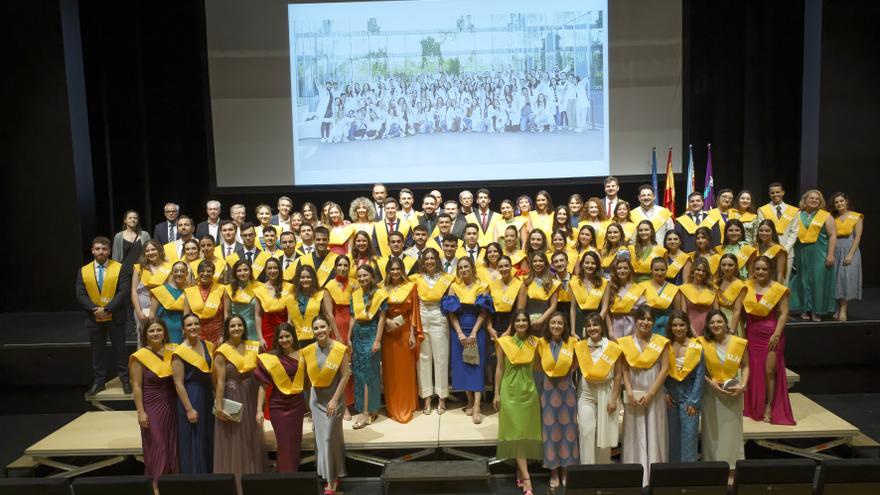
(274, 483)
(34, 486)
(693, 478)
(849, 477)
(594, 479)
(190, 484)
(761, 476)
(113, 485)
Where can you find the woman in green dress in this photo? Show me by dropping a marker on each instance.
(241, 293)
(516, 400)
(368, 305)
(812, 283)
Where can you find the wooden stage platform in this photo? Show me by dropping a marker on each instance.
(111, 436)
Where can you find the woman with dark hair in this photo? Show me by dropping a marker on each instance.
(734, 243)
(238, 442)
(281, 374)
(644, 250)
(542, 217)
(516, 399)
(813, 281)
(593, 214)
(767, 242)
(766, 305)
(127, 243)
(208, 300)
(537, 243)
(623, 217)
(615, 246)
(585, 241)
(575, 205)
(487, 264)
(847, 257)
(361, 252)
(273, 301)
(505, 292)
(306, 301)
(625, 297)
(561, 222)
(699, 295)
(747, 213)
(684, 389)
(727, 372)
(241, 292)
(645, 429)
(328, 364)
(191, 370)
(150, 371)
(588, 292)
(166, 300)
(310, 214)
(368, 305)
(731, 290)
(678, 263)
(337, 304)
(558, 398)
(433, 368)
(150, 272)
(401, 336)
(541, 291)
(705, 248)
(468, 305)
(601, 372)
(191, 251)
(660, 295)
(510, 221)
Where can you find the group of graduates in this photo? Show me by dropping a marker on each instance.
(572, 313)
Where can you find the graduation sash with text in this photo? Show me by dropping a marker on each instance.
(810, 233)
(168, 301)
(538, 293)
(702, 296)
(558, 367)
(659, 219)
(596, 371)
(341, 234)
(269, 302)
(728, 296)
(587, 299)
(435, 293)
(691, 360)
(280, 378)
(717, 370)
(381, 232)
(322, 377)
(243, 296)
(468, 294)
(742, 254)
(341, 295)
(161, 366)
(659, 299)
(108, 289)
(773, 251)
(648, 356)
(205, 308)
(303, 321)
(844, 225)
(625, 299)
(362, 312)
(768, 211)
(152, 279)
(243, 363)
(325, 271)
(676, 263)
(192, 357)
(642, 264)
(518, 355)
(219, 266)
(772, 295)
(504, 297)
(688, 223)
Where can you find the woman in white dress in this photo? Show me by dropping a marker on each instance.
(599, 390)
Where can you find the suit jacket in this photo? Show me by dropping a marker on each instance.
(458, 226)
(202, 230)
(116, 305)
(609, 214)
(160, 232)
(239, 250)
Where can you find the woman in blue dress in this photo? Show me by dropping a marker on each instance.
(468, 305)
(191, 370)
(166, 300)
(684, 388)
(368, 305)
(241, 295)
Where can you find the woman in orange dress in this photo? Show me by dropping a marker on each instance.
(403, 331)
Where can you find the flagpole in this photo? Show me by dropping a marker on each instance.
(654, 173)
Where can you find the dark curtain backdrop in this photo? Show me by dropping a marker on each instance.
(145, 74)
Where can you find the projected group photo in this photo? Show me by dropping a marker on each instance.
(448, 87)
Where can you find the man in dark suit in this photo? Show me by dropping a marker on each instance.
(458, 220)
(282, 218)
(228, 245)
(102, 289)
(380, 193)
(211, 226)
(428, 217)
(166, 231)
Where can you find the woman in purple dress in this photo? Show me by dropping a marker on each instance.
(282, 373)
(154, 398)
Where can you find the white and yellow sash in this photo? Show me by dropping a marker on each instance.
(323, 377)
(688, 224)
(518, 355)
(648, 356)
(381, 230)
(717, 370)
(205, 308)
(691, 360)
(642, 264)
(280, 378)
(596, 371)
(771, 297)
(555, 368)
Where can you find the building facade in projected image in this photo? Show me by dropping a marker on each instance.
(446, 87)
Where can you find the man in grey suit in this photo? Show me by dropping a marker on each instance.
(211, 226)
(102, 289)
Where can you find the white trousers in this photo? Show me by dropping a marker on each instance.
(434, 352)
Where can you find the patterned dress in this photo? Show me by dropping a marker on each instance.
(559, 418)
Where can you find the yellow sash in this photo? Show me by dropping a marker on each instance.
(642, 264)
(555, 368)
(323, 377)
(325, 271)
(742, 254)
(596, 371)
(205, 309)
(717, 370)
(381, 229)
(768, 301)
(259, 263)
(468, 295)
(245, 295)
(728, 296)
(676, 263)
(280, 378)
(303, 322)
(150, 279)
(713, 259)
(810, 234)
(192, 357)
(341, 297)
(659, 299)
(587, 299)
(538, 293)
(341, 234)
(219, 267)
(743, 216)
(108, 290)
(161, 367)
(691, 360)
(768, 211)
(243, 363)
(408, 263)
(399, 293)
(270, 303)
(436, 293)
(504, 298)
(484, 237)
(170, 249)
(659, 219)
(599, 228)
(702, 296)
(518, 355)
(847, 223)
(648, 356)
(624, 304)
(544, 223)
(168, 301)
(773, 251)
(688, 224)
(516, 256)
(360, 309)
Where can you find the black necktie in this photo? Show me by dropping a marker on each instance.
(250, 257)
(778, 211)
(286, 263)
(171, 236)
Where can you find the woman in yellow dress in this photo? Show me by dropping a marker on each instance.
(699, 295)
(615, 244)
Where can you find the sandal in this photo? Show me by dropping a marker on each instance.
(526, 491)
(441, 408)
(362, 423)
(477, 416)
(805, 316)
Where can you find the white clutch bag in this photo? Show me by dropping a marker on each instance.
(232, 408)
(637, 394)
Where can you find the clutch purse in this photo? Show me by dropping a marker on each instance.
(232, 408)
(398, 320)
(729, 384)
(637, 394)
(471, 355)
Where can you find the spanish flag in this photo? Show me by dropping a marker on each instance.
(669, 192)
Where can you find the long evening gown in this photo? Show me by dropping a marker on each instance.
(287, 413)
(173, 319)
(366, 364)
(160, 439)
(645, 429)
(238, 447)
(813, 286)
(758, 332)
(195, 442)
(329, 441)
(519, 418)
(684, 430)
(399, 362)
(559, 414)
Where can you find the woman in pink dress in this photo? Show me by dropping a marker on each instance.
(766, 307)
